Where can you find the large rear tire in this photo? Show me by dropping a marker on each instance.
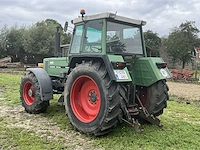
(92, 99)
(156, 97)
(30, 95)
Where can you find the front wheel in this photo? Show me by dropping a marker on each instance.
(92, 99)
(30, 95)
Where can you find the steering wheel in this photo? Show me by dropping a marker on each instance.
(95, 49)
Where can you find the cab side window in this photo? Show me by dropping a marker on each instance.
(76, 43)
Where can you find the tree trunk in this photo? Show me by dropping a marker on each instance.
(183, 65)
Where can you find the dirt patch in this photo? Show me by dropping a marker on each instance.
(186, 91)
(16, 117)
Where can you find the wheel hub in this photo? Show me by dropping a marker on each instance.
(93, 97)
(30, 92)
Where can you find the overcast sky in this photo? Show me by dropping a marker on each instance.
(161, 15)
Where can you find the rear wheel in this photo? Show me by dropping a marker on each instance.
(30, 95)
(92, 99)
(155, 97)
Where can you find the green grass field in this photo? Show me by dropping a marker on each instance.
(181, 127)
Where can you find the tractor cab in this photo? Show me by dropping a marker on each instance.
(107, 33)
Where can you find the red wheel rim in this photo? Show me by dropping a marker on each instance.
(28, 93)
(85, 99)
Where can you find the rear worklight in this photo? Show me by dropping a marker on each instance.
(161, 65)
(118, 65)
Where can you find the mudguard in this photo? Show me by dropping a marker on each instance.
(118, 75)
(46, 89)
(145, 71)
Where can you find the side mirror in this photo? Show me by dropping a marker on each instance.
(66, 26)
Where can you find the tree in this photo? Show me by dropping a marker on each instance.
(181, 41)
(153, 41)
(3, 41)
(14, 45)
(40, 38)
(37, 40)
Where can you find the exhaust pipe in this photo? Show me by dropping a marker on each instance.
(57, 42)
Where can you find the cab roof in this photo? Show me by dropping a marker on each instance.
(108, 15)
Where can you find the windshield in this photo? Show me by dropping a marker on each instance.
(123, 38)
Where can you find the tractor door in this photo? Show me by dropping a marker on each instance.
(77, 40)
(93, 37)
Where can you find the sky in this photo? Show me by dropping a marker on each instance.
(161, 15)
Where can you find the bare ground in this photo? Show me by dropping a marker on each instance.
(16, 117)
(186, 91)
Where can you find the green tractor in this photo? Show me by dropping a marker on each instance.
(104, 78)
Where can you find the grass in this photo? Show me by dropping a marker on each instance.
(181, 129)
(10, 88)
(18, 139)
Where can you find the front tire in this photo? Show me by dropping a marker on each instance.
(30, 95)
(92, 99)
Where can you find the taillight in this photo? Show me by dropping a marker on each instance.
(161, 65)
(118, 65)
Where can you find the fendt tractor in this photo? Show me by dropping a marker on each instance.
(105, 77)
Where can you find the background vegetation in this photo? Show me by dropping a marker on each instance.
(38, 41)
(34, 41)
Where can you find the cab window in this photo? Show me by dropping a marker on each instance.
(93, 37)
(76, 43)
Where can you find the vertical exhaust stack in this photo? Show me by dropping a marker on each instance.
(57, 42)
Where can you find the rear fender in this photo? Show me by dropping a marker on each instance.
(46, 89)
(116, 74)
(146, 71)
(121, 74)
